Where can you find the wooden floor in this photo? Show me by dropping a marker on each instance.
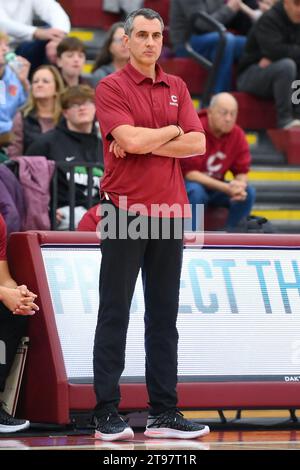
(216, 440)
(220, 439)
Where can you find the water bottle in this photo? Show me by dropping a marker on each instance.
(12, 60)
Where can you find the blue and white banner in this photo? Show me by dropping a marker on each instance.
(239, 314)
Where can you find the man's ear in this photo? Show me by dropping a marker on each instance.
(64, 112)
(126, 40)
(58, 61)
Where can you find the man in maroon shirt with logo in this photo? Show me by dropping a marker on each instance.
(226, 149)
(147, 123)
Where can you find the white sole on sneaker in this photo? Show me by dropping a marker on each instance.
(167, 433)
(125, 435)
(8, 429)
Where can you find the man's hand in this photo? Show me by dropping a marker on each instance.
(234, 5)
(117, 150)
(264, 62)
(237, 190)
(26, 292)
(49, 34)
(51, 51)
(59, 216)
(265, 5)
(18, 303)
(23, 71)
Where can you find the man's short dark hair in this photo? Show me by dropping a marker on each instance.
(70, 43)
(77, 94)
(147, 13)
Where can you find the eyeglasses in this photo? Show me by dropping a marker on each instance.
(78, 105)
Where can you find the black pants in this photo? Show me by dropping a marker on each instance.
(35, 52)
(12, 328)
(160, 261)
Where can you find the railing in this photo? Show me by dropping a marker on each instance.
(211, 66)
(72, 189)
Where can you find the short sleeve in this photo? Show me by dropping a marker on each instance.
(188, 118)
(112, 107)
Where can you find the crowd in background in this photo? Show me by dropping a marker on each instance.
(47, 117)
(36, 118)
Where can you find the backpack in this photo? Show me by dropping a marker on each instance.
(253, 224)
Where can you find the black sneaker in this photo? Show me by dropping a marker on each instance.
(10, 424)
(171, 424)
(112, 427)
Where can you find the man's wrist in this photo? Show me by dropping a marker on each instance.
(179, 131)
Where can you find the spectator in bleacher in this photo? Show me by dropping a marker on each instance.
(14, 89)
(203, 39)
(40, 113)
(90, 220)
(250, 11)
(71, 57)
(113, 55)
(75, 139)
(37, 44)
(12, 202)
(255, 8)
(118, 6)
(271, 60)
(226, 150)
(17, 302)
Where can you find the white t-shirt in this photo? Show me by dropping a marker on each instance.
(16, 17)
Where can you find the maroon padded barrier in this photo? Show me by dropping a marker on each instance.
(89, 14)
(255, 113)
(46, 395)
(287, 141)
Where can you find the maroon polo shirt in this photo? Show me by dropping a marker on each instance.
(128, 97)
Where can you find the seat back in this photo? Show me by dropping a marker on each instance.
(255, 113)
(89, 14)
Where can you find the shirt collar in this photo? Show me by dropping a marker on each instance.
(138, 77)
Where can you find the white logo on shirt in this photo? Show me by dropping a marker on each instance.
(69, 159)
(174, 100)
(213, 165)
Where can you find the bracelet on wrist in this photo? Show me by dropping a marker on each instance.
(179, 132)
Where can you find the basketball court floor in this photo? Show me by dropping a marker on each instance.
(216, 440)
(257, 430)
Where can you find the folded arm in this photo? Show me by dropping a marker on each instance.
(168, 141)
(141, 140)
(192, 143)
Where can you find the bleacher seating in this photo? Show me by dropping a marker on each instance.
(255, 113)
(89, 14)
(273, 151)
(288, 143)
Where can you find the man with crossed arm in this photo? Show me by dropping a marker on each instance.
(148, 123)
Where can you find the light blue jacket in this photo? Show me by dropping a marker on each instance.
(13, 96)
